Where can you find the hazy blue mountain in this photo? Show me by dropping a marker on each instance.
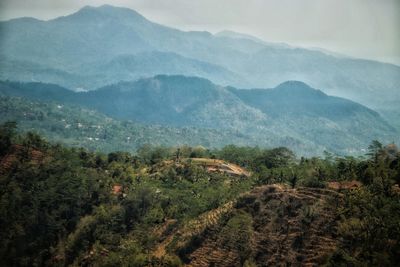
(238, 35)
(243, 36)
(39, 91)
(296, 98)
(132, 67)
(291, 114)
(167, 100)
(175, 100)
(90, 47)
(18, 70)
(317, 116)
(369, 82)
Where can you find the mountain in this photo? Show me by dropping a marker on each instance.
(238, 35)
(175, 100)
(296, 99)
(132, 67)
(291, 114)
(97, 46)
(168, 100)
(317, 116)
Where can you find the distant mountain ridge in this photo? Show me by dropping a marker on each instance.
(80, 51)
(292, 114)
(298, 99)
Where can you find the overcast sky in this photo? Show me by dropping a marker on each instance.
(359, 28)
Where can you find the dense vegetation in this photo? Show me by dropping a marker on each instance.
(292, 115)
(80, 127)
(69, 206)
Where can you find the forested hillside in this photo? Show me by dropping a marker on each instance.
(79, 127)
(292, 114)
(67, 206)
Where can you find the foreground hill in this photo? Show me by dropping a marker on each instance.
(97, 46)
(64, 206)
(293, 114)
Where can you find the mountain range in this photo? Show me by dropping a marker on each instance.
(119, 64)
(97, 46)
(291, 114)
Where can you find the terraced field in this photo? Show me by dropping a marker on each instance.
(287, 226)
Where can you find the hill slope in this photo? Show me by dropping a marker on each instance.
(80, 127)
(271, 225)
(64, 206)
(293, 114)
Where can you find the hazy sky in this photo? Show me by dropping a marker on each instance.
(360, 28)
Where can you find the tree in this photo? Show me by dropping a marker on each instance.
(7, 132)
(374, 150)
(293, 180)
(275, 158)
(33, 140)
